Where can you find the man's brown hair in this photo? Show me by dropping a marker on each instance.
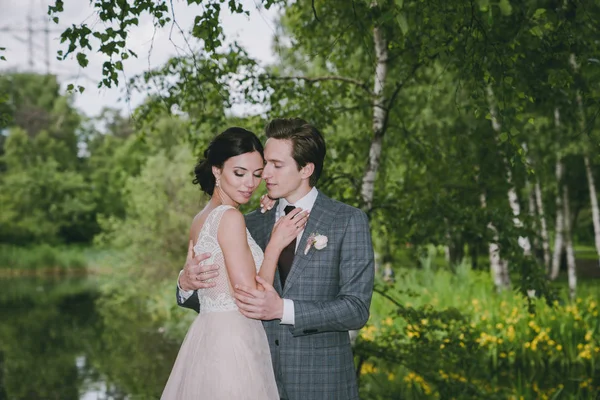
(308, 145)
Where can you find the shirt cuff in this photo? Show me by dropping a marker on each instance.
(288, 318)
(184, 294)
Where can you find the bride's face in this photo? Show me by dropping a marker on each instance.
(239, 177)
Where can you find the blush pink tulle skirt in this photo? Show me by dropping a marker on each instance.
(224, 356)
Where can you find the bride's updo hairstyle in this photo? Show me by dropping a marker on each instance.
(230, 143)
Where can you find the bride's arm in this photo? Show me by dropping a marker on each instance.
(233, 240)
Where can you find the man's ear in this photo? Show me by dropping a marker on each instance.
(307, 171)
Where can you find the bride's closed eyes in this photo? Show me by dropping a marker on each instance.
(241, 174)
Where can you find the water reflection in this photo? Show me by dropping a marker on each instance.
(57, 341)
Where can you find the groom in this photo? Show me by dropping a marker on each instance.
(319, 293)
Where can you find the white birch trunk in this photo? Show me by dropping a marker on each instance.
(516, 210)
(571, 271)
(594, 203)
(531, 202)
(379, 116)
(536, 209)
(560, 222)
(543, 225)
(497, 266)
(534, 214)
(513, 200)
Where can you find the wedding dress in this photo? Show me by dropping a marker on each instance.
(224, 355)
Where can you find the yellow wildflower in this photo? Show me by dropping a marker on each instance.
(368, 333)
(368, 368)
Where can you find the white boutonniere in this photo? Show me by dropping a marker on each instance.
(319, 241)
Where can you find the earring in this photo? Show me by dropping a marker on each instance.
(218, 183)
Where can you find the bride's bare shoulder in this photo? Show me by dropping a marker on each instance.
(232, 219)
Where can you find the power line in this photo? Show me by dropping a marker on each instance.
(32, 29)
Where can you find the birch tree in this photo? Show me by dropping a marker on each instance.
(559, 225)
(586, 160)
(568, 235)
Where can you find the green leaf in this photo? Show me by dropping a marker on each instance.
(401, 18)
(70, 87)
(539, 12)
(81, 89)
(82, 59)
(503, 137)
(399, 4)
(536, 31)
(505, 7)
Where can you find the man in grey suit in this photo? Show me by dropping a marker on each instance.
(322, 289)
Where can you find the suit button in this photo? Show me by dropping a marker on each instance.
(276, 342)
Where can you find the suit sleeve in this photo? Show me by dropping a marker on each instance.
(192, 302)
(350, 309)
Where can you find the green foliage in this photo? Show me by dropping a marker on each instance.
(159, 206)
(42, 201)
(436, 334)
(34, 103)
(111, 38)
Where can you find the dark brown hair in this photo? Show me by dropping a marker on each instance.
(308, 145)
(230, 143)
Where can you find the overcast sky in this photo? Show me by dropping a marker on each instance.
(254, 33)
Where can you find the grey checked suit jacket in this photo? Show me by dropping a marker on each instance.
(331, 289)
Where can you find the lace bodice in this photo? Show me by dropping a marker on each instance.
(219, 298)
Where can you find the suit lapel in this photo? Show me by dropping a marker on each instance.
(321, 217)
(268, 221)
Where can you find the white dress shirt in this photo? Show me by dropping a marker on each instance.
(306, 203)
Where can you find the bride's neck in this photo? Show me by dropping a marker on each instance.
(220, 198)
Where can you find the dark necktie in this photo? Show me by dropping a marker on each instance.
(286, 258)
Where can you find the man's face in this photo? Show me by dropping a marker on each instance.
(281, 172)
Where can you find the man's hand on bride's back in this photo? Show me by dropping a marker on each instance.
(195, 275)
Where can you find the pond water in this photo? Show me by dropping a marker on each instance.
(55, 345)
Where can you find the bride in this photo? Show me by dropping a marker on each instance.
(224, 354)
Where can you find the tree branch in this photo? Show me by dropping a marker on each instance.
(355, 82)
(392, 100)
(315, 11)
